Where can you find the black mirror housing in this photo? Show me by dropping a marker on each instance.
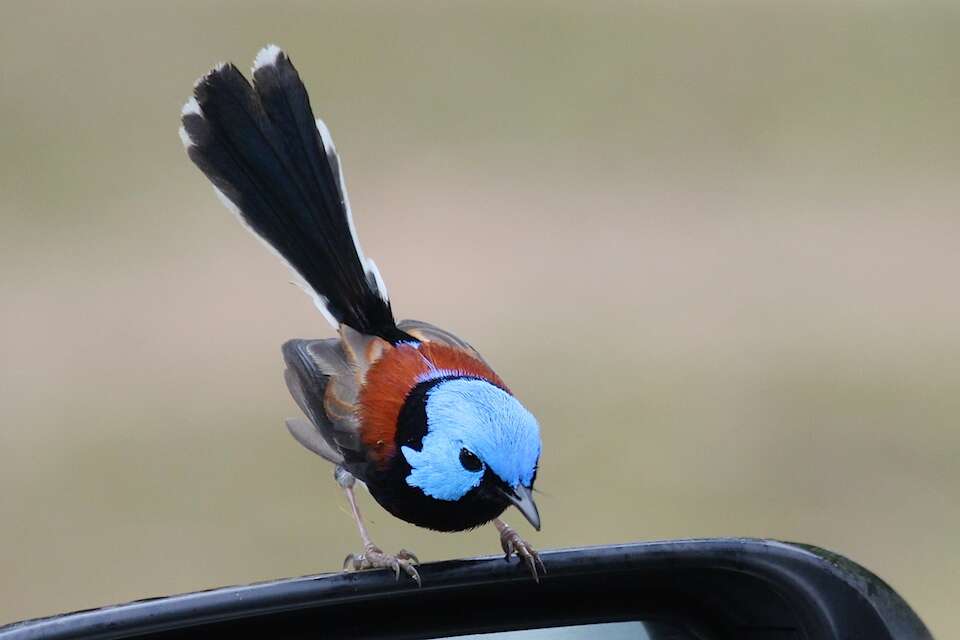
(698, 589)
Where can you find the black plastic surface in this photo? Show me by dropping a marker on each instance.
(710, 589)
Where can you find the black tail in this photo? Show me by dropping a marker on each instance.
(266, 155)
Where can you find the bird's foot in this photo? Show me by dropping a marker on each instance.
(373, 558)
(513, 544)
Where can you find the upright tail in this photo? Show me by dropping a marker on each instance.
(276, 167)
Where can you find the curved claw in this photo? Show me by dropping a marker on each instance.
(411, 571)
(532, 559)
(513, 544)
(395, 565)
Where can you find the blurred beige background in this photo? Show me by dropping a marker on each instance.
(714, 246)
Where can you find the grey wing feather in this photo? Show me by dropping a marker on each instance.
(322, 383)
(310, 437)
(429, 333)
(300, 397)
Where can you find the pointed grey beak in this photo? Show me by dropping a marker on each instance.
(522, 499)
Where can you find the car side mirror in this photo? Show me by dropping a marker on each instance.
(679, 590)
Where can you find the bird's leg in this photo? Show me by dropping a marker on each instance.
(372, 557)
(512, 543)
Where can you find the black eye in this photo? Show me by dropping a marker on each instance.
(469, 461)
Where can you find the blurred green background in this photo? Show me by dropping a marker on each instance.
(714, 246)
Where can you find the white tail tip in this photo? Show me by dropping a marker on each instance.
(267, 56)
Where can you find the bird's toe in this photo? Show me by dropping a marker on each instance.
(409, 556)
(512, 544)
(373, 558)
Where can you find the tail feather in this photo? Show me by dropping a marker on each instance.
(276, 165)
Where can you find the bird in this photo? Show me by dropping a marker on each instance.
(407, 409)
